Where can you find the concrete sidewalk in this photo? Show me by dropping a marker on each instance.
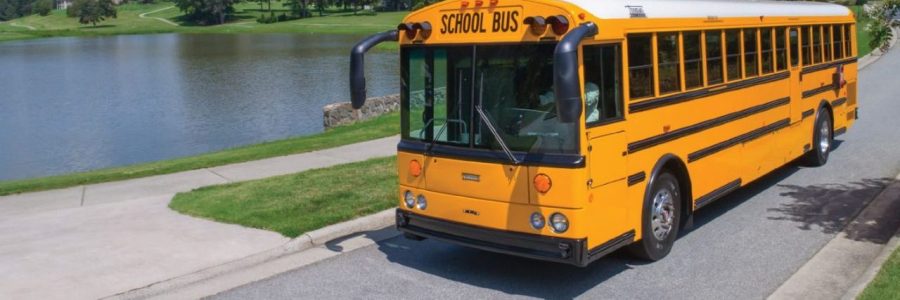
(99, 240)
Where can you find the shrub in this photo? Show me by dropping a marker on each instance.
(43, 7)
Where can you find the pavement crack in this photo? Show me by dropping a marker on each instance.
(83, 191)
(217, 174)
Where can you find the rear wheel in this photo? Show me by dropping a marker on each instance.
(822, 140)
(660, 219)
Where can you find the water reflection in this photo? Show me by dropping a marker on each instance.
(75, 104)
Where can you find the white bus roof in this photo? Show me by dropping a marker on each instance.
(623, 9)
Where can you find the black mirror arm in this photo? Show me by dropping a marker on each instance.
(358, 65)
(566, 84)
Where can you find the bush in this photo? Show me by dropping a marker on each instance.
(43, 7)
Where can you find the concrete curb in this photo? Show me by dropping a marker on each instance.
(306, 241)
(873, 269)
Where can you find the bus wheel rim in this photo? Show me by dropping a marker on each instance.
(663, 214)
(824, 138)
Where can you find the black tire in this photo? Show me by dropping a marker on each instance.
(818, 155)
(653, 246)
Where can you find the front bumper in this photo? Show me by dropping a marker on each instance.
(562, 250)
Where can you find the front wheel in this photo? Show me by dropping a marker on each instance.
(822, 140)
(660, 219)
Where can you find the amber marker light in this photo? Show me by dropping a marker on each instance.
(542, 183)
(415, 169)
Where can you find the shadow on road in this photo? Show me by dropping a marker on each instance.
(829, 207)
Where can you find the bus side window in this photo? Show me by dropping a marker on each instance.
(766, 41)
(848, 40)
(807, 45)
(668, 61)
(750, 54)
(640, 65)
(693, 60)
(826, 39)
(837, 41)
(780, 54)
(733, 51)
(795, 50)
(714, 57)
(602, 83)
(817, 44)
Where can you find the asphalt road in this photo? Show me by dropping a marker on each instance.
(742, 246)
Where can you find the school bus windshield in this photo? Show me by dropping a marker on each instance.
(513, 84)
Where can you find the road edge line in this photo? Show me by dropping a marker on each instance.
(315, 238)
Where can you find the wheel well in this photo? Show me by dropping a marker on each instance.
(674, 165)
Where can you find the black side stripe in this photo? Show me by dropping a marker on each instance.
(808, 113)
(818, 90)
(636, 178)
(684, 97)
(756, 133)
(682, 132)
(618, 242)
(717, 193)
(840, 131)
(838, 102)
(811, 69)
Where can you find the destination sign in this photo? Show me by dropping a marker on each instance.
(480, 22)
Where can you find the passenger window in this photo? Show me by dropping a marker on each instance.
(826, 41)
(602, 83)
(767, 59)
(667, 57)
(714, 57)
(837, 41)
(693, 61)
(733, 50)
(817, 44)
(751, 65)
(640, 66)
(795, 50)
(806, 33)
(780, 51)
(848, 40)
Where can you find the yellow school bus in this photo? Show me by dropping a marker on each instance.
(564, 130)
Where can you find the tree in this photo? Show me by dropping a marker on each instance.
(882, 15)
(92, 11)
(43, 7)
(206, 11)
(298, 8)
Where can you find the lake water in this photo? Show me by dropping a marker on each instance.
(77, 104)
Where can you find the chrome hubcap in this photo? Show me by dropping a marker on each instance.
(663, 214)
(824, 137)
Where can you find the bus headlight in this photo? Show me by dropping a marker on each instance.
(537, 220)
(559, 222)
(409, 199)
(420, 202)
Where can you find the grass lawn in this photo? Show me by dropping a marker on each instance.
(130, 22)
(383, 126)
(298, 203)
(886, 284)
(862, 36)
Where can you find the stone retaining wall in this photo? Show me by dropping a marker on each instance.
(342, 113)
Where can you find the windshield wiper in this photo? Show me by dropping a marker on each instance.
(496, 135)
(490, 124)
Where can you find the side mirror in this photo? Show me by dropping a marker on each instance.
(358, 65)
(566, 83)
